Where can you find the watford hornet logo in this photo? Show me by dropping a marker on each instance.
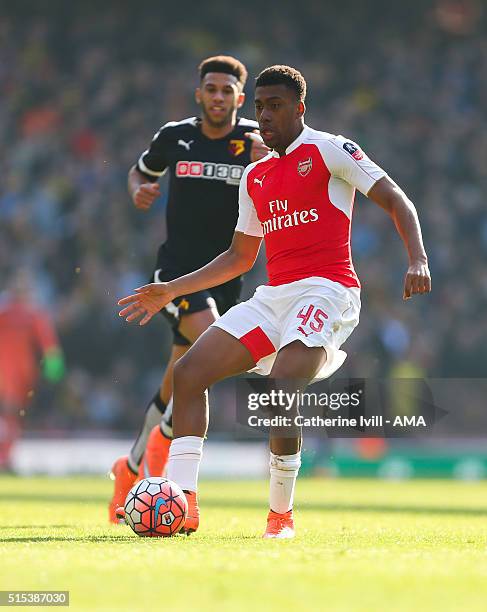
(304, 167)
(236, 147)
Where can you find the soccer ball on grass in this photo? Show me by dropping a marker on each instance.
(156, 507)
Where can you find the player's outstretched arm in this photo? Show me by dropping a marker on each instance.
(141, 190)
(149, 299)
(392, 199)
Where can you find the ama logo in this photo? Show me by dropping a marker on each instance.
(353, 149)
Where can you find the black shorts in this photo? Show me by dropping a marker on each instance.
(223, 297)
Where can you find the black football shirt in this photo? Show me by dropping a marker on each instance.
(202, 208)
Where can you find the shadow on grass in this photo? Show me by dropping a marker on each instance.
(95, 539)
(87, 538)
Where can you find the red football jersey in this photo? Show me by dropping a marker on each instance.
(26, 332)
(301, 203)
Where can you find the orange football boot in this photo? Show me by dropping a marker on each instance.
(193, 518)
(124, 480)
(156, 454)
(279, 526)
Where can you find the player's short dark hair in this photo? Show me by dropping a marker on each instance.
(283, 75)
(226, 64)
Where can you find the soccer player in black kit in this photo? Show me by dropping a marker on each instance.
(206, 157)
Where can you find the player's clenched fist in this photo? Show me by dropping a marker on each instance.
(418, 280)
(146, 302)
(145, 195)
(258, 149)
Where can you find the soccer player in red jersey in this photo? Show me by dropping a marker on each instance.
(205, 158)
(26, 334)
(299, 199)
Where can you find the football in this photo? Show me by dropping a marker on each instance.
(156, 507)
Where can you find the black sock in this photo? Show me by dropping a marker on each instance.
(152, 417)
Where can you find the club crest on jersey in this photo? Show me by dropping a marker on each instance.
(304, 167)
(354, 151)
(236, 147)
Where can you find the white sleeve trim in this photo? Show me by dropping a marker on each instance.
(248, 123)
(147, 170)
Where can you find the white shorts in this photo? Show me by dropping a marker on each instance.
(315, 310)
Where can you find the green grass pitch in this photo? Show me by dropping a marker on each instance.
(361, 545)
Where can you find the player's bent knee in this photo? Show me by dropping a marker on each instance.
(187, 375)
(183, 371)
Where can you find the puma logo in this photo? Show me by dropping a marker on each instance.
(259, 181)
(184, 144)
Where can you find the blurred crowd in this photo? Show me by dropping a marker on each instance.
(82, 91)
